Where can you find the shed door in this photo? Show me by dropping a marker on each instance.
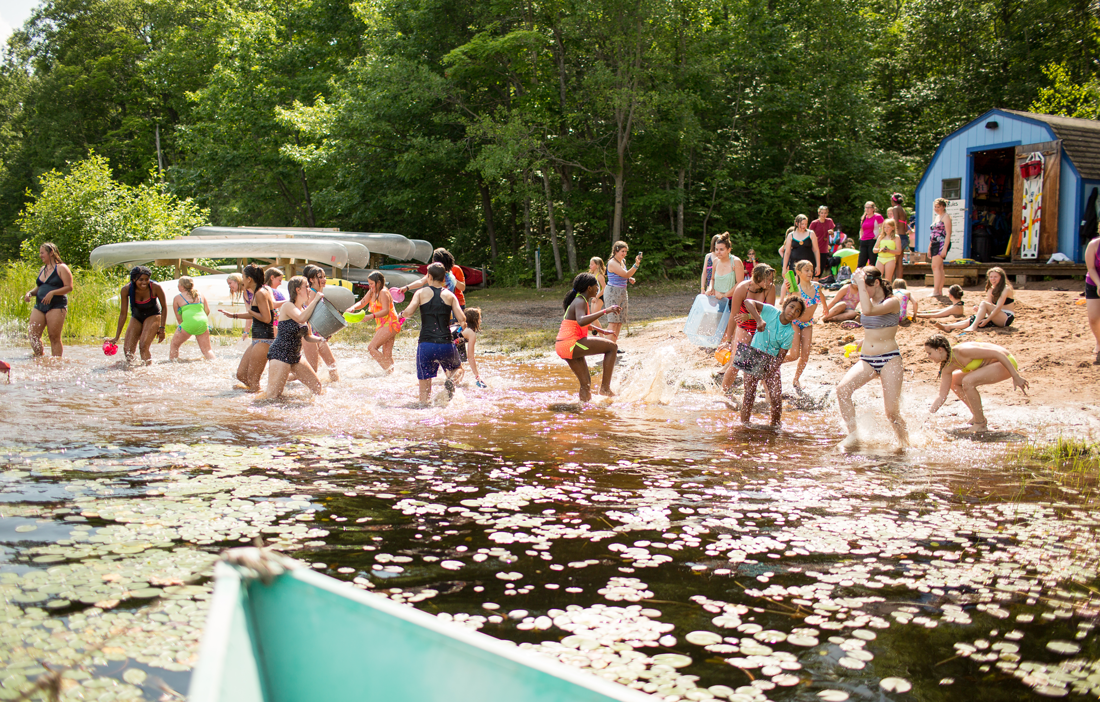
(1048, 226)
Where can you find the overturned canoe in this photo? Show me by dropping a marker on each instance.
(329, 253)
(304, 636)
(393, 245)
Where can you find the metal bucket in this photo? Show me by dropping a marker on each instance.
(326, 320)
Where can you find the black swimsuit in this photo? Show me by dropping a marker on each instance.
(142, 311)
(52, 282)
(287, 347)
(262, 331)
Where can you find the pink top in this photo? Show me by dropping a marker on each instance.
(1096, 264)
(868, 226)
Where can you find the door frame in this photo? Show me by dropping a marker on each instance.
(969, 184)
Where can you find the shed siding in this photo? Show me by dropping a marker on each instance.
(1069, 211)
(951, 161)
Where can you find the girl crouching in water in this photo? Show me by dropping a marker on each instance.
(968, 365)
(574, 343)
(285, 354)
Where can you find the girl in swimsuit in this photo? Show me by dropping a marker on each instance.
(995, 309)
(967, 366)
(285, 354)
(708, 266)
(1092, 298)
(597, 268)
(573, 342)
(51, 302)
(955, 309)
(810, 293)
(273, 278)
(466, 341)
(939, 243)
(899, 214)
(315, 351)
(761, 287)
(801, 245)
(387, 324)
(192, 319)
(844, 307)
(879, 356)
(728, 272)
(260, 316)
(237, 294)
(144, 299)
(887, 246)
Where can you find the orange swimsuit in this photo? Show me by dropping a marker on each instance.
(390, 319)
(569, 335)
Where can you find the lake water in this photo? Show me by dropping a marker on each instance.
(651, 540)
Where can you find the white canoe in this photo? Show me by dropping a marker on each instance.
(423, 250)
(215, 289)
(395, 246)
(327, 252)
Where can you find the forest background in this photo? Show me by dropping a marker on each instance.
(499, 126)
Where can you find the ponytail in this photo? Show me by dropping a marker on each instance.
(581, 283)
(939, 341)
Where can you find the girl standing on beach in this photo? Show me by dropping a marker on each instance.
(615, 295)
(939, 243)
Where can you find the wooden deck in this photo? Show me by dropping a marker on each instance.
(972, 273)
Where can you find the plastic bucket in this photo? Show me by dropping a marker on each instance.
(706, 322)
(326, 320)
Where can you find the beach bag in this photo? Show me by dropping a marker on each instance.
(752, 361)
(845, 273)
(706, 322)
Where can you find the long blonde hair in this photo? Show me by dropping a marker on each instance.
(599, 262)
(239, 280)
(188, 284)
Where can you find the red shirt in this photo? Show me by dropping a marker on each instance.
(821, 231)
(456, 271)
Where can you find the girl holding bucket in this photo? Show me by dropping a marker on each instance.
(762, 360)
(285, 354)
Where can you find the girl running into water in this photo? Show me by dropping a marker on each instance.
(466, 341)
(955, 309)
(144, 300)
(597, 268)
(879, 356)
(810, 292)
(51, 302)
(760, 287)
(316, 351)
(996, 309)
(261, 320)
(380, 303)
(774, 335)
(615, 294)
(192, 319)
(968, 365)
(574, 344)
(238, 294)
(728, 272)
(285, 354)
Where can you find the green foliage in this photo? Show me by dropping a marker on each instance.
(661, 122)
(92, 314)
(86, 208)
(1064, 97)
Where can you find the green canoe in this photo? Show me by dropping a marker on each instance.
(304, 636)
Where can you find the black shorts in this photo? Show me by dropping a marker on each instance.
(1090, 291)
(1009, 316)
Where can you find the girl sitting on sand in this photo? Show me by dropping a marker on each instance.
(995, 309)
(955, 309)
(968, 365)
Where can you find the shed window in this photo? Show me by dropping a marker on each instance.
(952, 188)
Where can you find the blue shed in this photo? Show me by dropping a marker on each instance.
(976, 169)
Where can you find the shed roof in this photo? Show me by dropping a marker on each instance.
(1080, 138)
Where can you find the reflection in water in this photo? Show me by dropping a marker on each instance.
(651, 540)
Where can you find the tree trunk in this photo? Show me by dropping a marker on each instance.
(553, 226)
(570, 242)
(513, 226)
(308, 200)
(526, 222)
(680, 205)
(487, 208)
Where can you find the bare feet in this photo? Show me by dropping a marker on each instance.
(850, 442)
(585, 393)
(333, 374)
(940, 326)
(607, 392)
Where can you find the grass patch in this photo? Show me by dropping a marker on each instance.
(509, 340)
(1070, 462)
